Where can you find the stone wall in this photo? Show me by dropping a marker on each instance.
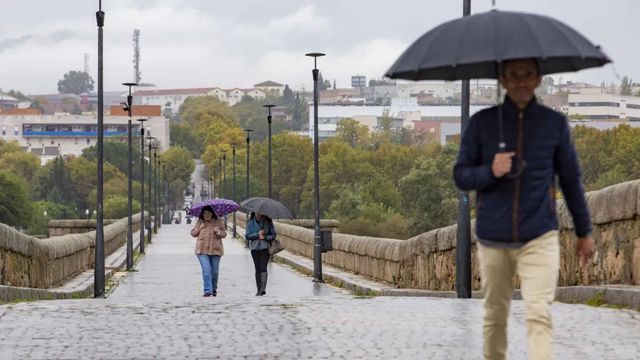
(26, 261)
(75, 226)
(427, 261)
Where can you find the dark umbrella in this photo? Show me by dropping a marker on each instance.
(220, 207)
(475, 47)
(266, 206)
(472, 47)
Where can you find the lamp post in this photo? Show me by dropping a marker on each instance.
(128, 108)
(317, 241)
(463, 238)
(233, 149)
(150, 228)
(269, 106)
(98, 274)
(165, 218)
(156, 215)
(220, 176)
(142, 223)
(248, 149)
(224, 178)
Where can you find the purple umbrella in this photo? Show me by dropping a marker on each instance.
(220, 207)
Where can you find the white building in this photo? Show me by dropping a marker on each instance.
(270, 87)
(402, 112)
(173, 98)
(48, 136)
(593, 104)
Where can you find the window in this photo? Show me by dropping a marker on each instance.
(16, 131)
(4, 130)
(633, 106)
(88, 141)
(594, 103)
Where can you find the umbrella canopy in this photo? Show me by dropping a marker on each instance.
(220, 207)
(472, 47)
(266, 206)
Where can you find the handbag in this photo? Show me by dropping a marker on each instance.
(275, 246)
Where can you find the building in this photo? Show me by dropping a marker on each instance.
(48, 136)
(592, 104)
(358, 81)
(7, 102)
(341, 96)
(172, 99)
(404, 114)
(270, 87)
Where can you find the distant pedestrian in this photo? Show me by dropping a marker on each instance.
(209, 231)
(260, 233)
(516, 224)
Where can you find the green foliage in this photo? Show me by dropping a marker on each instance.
(15, 207)
(183, 135)
(428, 191)
(75, 82)
(116, 206)
(117, 153)
(45, 211)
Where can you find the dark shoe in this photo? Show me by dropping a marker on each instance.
(206, 294)
(263, 283)
(215, 293)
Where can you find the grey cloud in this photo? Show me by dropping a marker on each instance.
(55, 37)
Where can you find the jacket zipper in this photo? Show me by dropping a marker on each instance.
(516, 197)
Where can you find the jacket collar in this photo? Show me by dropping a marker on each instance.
(510, 108)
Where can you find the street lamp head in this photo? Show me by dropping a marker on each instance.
(142, 120)
(268, 105)
(124, 106)
(130, 84)
(315, 56)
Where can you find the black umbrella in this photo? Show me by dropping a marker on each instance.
(475, 46)
(472, 47)
(266, 206)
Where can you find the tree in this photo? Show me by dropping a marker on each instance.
(322, 84)
(183, 135)
(625, 86)
(287, 96)
(75, 82)
(353, 133)
(20, 163)
(15, 207)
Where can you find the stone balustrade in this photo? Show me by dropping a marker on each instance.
(427, 261)
(26, 261)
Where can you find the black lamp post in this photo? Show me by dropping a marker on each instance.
(463, 238)
(317, 241)
(142, 223)
(156, 163)
(165, 211)
(269, 106)
(150, 140)
(233, 149)
(248, 149)
(220, 176)
(128, 107)
(98, 274)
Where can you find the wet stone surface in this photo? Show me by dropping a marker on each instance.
(158, 312)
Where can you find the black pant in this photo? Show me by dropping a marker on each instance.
(260, 260)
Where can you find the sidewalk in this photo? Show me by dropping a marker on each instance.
(170, 272)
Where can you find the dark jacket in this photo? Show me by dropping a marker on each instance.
(518, 210)
(251, 234)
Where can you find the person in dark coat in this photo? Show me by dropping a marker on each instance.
(516, 225)
(260, 233)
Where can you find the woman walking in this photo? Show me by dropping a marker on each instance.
(209, 231)
(260, 233)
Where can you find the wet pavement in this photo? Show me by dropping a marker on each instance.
(158, 312)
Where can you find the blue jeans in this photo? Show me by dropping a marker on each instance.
(210, 265)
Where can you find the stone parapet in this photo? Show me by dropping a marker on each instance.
(26, 261)
(427, 261)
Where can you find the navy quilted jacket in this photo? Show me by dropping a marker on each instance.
(520, 209)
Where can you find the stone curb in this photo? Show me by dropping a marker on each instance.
(80, 286)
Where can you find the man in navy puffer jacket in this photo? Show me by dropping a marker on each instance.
(516, 222)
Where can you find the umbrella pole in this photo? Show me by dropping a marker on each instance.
(501, 145)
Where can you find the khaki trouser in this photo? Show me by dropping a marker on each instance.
(537, 264)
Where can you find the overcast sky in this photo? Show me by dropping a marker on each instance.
(238, 43)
